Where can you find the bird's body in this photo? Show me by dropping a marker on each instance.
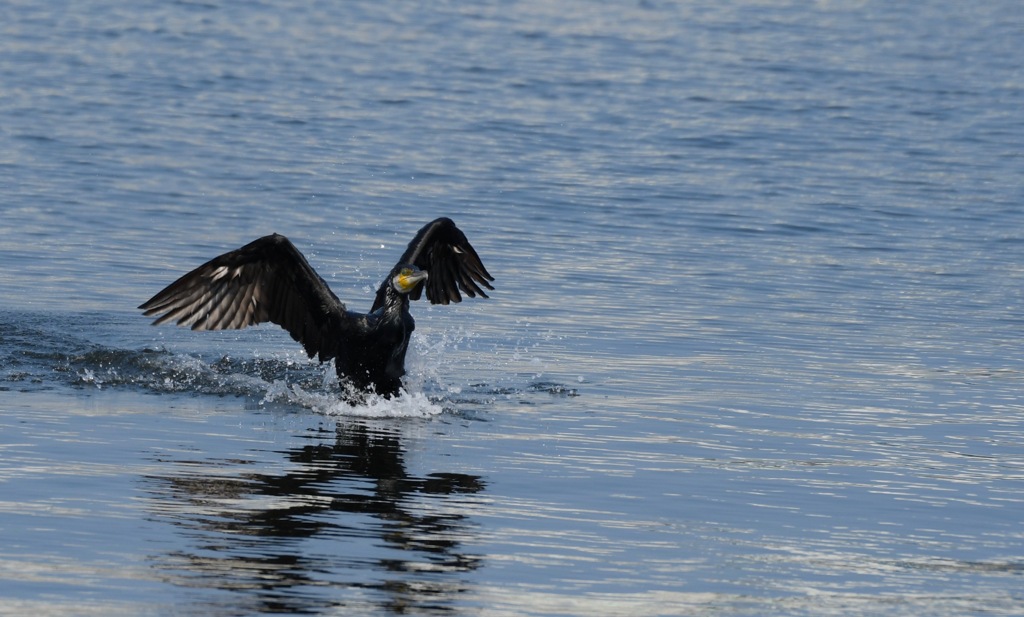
(269, 280)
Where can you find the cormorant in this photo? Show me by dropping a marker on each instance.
(269, 280)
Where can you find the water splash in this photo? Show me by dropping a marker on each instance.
(40, 355)
(283, 380)
(406, 405)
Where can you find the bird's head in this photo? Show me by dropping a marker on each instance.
(405, 277)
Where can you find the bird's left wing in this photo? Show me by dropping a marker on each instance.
(451, 263)
(265, 280)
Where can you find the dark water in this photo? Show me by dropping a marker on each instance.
(754, 348)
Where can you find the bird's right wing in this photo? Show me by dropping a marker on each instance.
(265, 280)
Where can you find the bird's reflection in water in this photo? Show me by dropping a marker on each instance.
(339, 523)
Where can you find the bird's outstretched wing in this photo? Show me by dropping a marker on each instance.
(443, 251)
(265, 280)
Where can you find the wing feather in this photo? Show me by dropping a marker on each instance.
(449, 288)
(246, 306)
(267, 280)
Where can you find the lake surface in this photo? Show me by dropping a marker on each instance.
(754, 348)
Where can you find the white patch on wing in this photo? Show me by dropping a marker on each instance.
(225, 272)
(219, 273)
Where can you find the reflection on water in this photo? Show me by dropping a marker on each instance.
(338, 513)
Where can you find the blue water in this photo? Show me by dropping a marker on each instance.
(754, 348)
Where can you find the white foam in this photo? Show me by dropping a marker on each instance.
(406, 405)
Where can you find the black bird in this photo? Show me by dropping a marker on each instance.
(269, 280)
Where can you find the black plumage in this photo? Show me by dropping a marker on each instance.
(269, 280)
